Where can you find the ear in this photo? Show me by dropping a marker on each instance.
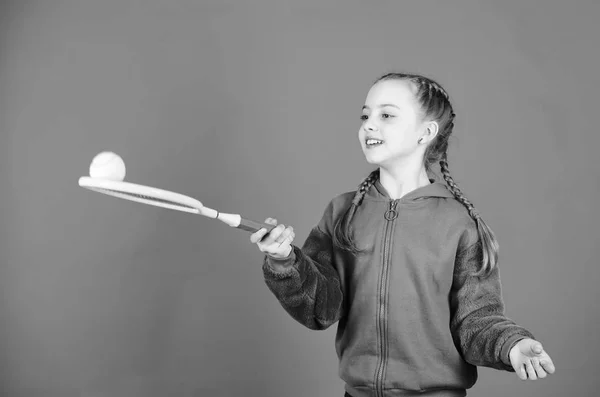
(429, 132)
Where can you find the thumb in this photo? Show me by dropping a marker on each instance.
(529, 347)
(537, 348)
(532, 347)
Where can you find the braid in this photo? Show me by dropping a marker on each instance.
(456, 191)
(342, 235)
(365, 186)
(488, 239)
(433, 89)
(438, 88)
(429, 90)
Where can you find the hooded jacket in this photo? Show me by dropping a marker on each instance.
(412, 319)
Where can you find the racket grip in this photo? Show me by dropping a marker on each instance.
(252, 226)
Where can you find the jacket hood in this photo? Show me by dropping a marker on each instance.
(434, 189)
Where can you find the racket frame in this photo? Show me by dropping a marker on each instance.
(167, 199)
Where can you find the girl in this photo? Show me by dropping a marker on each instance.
(405, 264)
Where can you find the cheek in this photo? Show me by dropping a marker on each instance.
(361, 131)
(400, 141)
(404, 133)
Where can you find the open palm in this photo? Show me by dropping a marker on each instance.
(530, 361)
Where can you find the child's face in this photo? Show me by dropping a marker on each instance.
(390, 114)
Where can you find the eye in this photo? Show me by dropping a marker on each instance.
(364, 117)
(386, 116)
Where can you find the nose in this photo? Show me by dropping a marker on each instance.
(370, 126)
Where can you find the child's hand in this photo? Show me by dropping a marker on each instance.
(529, 360)
(277, 243)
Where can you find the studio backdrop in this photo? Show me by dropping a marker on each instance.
(254, 107)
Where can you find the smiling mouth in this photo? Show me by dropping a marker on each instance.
(373, 142)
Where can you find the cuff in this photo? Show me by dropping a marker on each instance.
(280, 267)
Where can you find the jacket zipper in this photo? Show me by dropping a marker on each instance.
(389, 216)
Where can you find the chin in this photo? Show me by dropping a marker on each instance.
(374, 160)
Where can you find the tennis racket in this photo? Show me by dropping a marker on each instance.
(167, 199)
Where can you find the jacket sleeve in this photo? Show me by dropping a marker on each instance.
(479, 327)
(309, 289)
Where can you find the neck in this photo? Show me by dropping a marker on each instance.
(402, 179)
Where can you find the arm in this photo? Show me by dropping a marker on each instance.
(306, 283)
(479, 327)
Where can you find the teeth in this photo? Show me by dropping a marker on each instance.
(373, 141)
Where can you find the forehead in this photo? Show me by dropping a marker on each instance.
(397, 92)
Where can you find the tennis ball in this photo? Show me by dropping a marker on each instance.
(108, 165)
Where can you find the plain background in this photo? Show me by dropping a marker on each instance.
(254, 107)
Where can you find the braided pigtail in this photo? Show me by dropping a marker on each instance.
(488, 239)
(342, 235)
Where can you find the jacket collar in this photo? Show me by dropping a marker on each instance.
(434, 189)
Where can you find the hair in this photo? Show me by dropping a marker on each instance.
(435, 105)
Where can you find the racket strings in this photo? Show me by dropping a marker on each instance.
(141, 196)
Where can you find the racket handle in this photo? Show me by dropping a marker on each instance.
(252, 226)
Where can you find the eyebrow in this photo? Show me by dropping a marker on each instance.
(383, 105)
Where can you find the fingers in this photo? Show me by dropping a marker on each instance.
(257, 236)
(530, 371)
(547, 365)
(542, 363)
(272, 236)
(538, 368)
(287, 235)
(271, 221)
(533, 368)
(521, 372)
(288, 240)
(276, 242)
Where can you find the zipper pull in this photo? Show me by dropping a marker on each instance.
(391, 214)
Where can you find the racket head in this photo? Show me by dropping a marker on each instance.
(143, 194)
